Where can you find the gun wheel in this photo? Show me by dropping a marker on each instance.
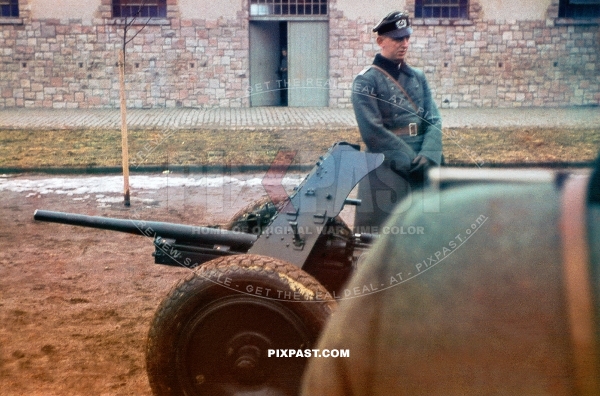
(254, 217)
(213, 332)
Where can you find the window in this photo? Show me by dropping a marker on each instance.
(451, 9)
(9, 8)
(579, 9)
(139, 8)
(288, 7)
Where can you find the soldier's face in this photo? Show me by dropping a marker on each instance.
(393, 49)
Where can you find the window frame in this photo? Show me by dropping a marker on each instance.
(153, 9)
(576, 12)
(462, 8)
(275, 8)
(12, 8)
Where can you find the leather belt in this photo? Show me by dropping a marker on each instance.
(411, 129)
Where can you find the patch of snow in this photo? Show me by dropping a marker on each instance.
(101, 186)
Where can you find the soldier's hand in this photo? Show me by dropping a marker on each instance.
(420, 162)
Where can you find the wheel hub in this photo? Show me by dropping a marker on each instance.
(247, 352)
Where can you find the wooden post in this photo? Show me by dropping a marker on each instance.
(124, 140)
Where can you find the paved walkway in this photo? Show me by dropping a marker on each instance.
(281, 117)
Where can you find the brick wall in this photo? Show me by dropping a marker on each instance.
(198, 63)
(174, 63)
(485, 63)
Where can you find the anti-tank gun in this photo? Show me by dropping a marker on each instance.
(269, 288)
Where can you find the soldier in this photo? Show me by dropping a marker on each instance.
(500, 296)
(397, 116)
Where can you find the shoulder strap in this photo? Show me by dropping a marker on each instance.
(578, 285)
(388, 75)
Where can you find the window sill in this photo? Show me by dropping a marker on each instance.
(154, 21)
(576, 21)
(441, 22)
(11, 21)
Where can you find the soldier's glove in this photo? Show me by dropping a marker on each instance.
(401, 167)
(420, 163)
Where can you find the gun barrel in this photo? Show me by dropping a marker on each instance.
(237, 241)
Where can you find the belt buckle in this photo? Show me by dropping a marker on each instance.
(412, 129)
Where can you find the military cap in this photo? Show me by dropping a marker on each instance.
(395, 25)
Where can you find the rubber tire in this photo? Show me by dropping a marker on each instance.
(190, 302)
(233, 223)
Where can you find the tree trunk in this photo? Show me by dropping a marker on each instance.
(124, 140)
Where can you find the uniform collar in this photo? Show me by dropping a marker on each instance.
(392, 67)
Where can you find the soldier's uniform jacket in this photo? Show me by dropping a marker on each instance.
(381, 107)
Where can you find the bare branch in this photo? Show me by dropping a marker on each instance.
(138, 12)
(140, 30)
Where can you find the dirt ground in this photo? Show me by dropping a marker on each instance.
(76, 303)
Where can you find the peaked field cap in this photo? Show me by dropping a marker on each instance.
(396, 24)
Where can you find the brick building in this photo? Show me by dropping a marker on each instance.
(199, 53)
